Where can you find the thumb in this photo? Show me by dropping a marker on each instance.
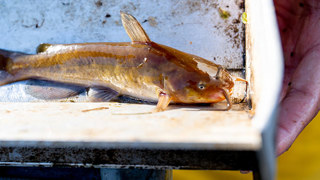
(301, 103)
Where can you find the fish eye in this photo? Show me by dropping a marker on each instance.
(201, 86)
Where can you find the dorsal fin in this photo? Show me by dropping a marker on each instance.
(133, 28)
(43, 47)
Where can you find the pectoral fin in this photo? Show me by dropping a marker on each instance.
(102, 94)
(133, 28)
(163, 102)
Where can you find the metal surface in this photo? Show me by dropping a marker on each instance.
(133, 174)
(191, 26)
(28, 173)
(72, 125)
(128, 158)
(265, 69)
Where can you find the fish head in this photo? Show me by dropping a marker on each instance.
(192, 79)
(206, 83)
(201, 90)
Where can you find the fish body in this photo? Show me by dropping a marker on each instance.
(141, 68)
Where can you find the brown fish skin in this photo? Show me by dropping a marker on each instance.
(119, 66)
(142, 69)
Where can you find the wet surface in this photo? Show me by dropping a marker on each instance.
(173, 23)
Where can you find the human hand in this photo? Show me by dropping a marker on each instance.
(299, 26)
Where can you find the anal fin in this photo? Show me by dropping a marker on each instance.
(49, 90)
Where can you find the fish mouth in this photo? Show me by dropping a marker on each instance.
(216, 97)
(212, 97)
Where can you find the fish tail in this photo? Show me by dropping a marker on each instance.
(6, 59)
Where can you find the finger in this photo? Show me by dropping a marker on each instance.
(301, 103)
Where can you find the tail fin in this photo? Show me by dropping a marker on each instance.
(6, 58)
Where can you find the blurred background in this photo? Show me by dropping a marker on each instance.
(302, 161)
